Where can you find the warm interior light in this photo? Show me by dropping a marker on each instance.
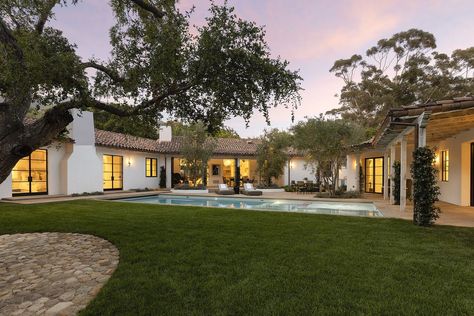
(227, 162)
(436, 161)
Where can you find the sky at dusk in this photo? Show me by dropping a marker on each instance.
(311, 34)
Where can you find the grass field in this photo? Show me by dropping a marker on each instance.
(194, 261)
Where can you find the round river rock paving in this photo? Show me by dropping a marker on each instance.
(52, 273)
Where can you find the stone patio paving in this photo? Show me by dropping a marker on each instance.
(52, 273)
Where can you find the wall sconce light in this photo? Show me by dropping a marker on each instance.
(129, 162)
(292, 164)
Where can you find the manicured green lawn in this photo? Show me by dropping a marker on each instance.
(193, 261)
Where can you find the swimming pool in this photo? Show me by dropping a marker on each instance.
(262, 204)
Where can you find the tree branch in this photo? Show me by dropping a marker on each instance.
(43, 18)
(109, 72)
(145, 5)
(7, 38)
(155, 101)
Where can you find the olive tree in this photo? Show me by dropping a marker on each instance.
(272, 154)
(326, 142)
(197, 148)
(158, 64)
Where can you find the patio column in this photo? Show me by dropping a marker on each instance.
(422, 136)
(403, 174)
(169, 171)
(385, 175)
(393, 157)
(237, 175)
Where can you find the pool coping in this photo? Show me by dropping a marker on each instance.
(382, 215)
(242, 196)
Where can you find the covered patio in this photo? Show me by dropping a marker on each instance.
(445, 126)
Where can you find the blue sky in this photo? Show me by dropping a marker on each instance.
(311, 34)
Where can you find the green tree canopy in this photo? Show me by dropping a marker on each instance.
(272, 154)
(180, 129)
(326, 142)
(158, 64)
(196, 149)
(400, 70)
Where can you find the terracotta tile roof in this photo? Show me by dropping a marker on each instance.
(125, 141)
(225, 146)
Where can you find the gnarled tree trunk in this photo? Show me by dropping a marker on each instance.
(18, 138)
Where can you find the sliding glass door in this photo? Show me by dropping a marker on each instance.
(30, 174)
(113, 172)
(374, 175)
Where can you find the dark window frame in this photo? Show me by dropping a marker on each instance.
(151, 167)
(373, 174)
(30, 177)
(113, 171)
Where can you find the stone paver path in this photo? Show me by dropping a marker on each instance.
(52, 273)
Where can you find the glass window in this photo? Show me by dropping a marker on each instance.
(374, 175)
(112, 172)
(445, 166)
(151, 164)
(30, 174)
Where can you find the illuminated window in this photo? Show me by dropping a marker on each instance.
(30, 174)
(151, 165)
(113, 172)
(374, 175)
(445, 165)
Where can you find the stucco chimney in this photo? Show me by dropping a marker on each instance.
(81, 130)
(165, 133)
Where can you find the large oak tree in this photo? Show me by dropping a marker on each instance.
(158, 64)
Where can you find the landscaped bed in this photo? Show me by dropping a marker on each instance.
(192, 260)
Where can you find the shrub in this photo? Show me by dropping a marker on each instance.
(425, 189)
(396, 179)
(186, 186)
(271, 186)
(87, 193)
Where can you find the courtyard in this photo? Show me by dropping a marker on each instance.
(192, 260)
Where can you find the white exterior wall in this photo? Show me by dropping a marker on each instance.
(6, 188)
(298, 171)
(352, 172)
(56, 155)
(457, 189)
(134, 176)
(82, 167)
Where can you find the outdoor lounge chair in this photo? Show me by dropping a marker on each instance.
(223, 189)
(250, 190)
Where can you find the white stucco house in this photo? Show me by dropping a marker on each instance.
(95, 160)
(447, 126)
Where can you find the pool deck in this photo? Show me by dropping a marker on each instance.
(451, 214)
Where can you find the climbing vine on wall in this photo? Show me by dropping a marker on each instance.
(425, 188)
(396, 182)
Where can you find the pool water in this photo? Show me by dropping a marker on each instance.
(262, 204)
